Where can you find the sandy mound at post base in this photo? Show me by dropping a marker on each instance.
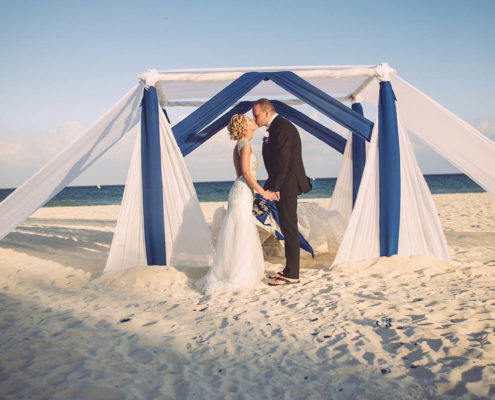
(145, 278)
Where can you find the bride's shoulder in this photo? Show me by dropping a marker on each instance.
(242, 143)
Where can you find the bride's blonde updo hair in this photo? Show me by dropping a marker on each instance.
(237, 127)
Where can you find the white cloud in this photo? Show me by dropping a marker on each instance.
(212, 161)
(486, 125)
(57, 139)
(20, 157)
(122, 150)
(16, 151)
(11, 152)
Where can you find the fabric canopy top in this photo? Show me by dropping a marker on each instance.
(193, 86)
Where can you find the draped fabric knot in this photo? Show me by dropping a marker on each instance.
(383, 72)
(151, 77)
(356, 99)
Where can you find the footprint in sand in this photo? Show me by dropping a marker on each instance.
(435, 344)
(369, 357)
(224, 323)
(141, 355)
(474, 374)
(102, 324)
(328, 289)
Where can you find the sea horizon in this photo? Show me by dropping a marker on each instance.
(217, 191)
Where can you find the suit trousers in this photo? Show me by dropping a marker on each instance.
(287, 213)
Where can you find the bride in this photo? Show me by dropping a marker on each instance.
(239, 262)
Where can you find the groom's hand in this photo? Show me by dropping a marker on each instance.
(277, 196)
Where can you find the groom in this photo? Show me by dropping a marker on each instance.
(286, 176)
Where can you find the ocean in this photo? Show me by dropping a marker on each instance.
(218, 191)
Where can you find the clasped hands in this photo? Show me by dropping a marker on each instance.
(269, 195)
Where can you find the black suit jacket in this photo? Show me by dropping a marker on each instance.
(282, 156)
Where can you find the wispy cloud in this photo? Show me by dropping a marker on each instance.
(11, 151)
(213, 159)
(25, 155)
(15, 151)
(486, 125)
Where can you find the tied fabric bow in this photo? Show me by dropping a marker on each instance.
(266, 139)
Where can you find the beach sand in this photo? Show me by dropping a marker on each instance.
(69, 332)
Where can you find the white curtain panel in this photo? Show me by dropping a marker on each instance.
(341, 200)
(128, 248)
(451, 137)
(187, 236)
(361, 239)
(340, 207)
(71, 161)
(186, 232)
(420, 230)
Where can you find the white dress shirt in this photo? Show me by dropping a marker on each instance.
(269, 123)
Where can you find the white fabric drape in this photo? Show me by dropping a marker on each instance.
(187, 236)
(328, 226)
(420, 231)
(186, 232)
(361, 239)
(71, 161)
(322, 228)
(451, 137)
(342, 195)
(128, 247)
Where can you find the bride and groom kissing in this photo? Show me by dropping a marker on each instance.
(239, 261)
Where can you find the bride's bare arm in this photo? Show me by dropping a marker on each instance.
(246, 173)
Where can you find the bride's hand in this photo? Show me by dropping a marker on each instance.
(269, 195)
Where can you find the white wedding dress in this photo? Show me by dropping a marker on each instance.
(238, 262)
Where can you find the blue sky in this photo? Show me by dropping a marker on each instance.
(64, 63)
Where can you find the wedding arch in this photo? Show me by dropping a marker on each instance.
(380, 191)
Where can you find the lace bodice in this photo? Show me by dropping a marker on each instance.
(253, 160)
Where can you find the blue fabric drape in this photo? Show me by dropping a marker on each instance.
(185, 132)
(389, 174)
(358, 157)
(318, 130)
(214, 107)
(323, 133)
(196, 140)
(154, 231)
(272, 208)
(323, 102)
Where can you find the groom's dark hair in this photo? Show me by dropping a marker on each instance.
(265, 104)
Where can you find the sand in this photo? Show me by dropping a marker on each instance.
(68, 332)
